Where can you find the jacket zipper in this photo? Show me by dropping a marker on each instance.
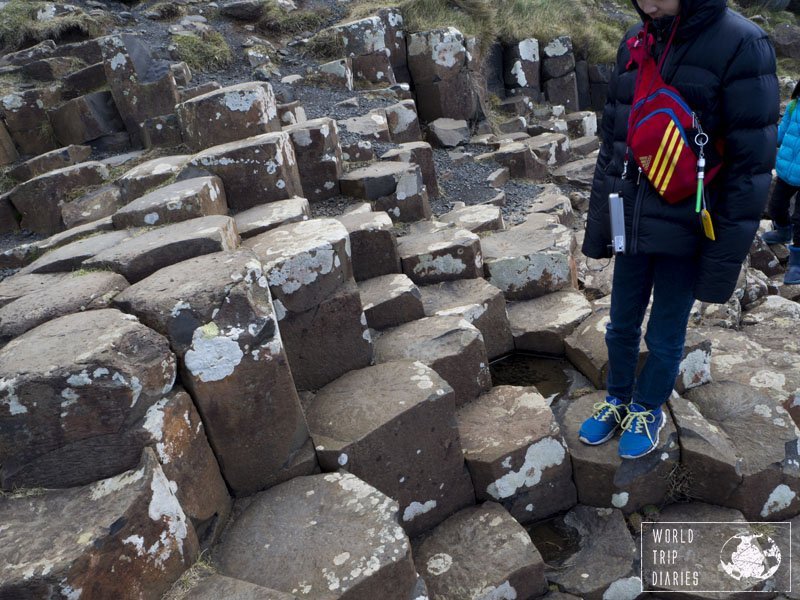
(636, 214)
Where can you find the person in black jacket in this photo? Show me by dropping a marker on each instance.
(724, 67)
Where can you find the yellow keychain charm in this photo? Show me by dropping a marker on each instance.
(708, 227)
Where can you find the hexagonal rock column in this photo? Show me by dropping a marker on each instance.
(522, 66)
(123, 537)
(551, 148)
(25, 116)
(98, 204)
(541, 325)
(254, 171)
(409, 202)
(139, 256)
(388, 301)
(373, 244)
(376, 412)
(767, 474)
(437, 61)
(228, 114)
(400, 184)
(403, 122)
(338, 73)
(604, 565)
(137, 181)
(365, 43)
(477, 219)
(181, 201)
(418, 153)
(520, 160)
(515, 453)
(8, 151)
(526, 262)
(441, 256)
(319, 157)
(223, 328)
(142, 87)
(481, 552)
(21, 284)
(581, 124)
(605, 479)
(50, 161)
(372, 126)
(260, 219)
(39, 200)
(70, 256)
(90, 291)
(558, 67)
(449, 345)
(86, 118)
(477, 302)
(346, 531)
(57, 377)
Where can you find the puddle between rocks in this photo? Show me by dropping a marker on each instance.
(555, 378)
(555, 541)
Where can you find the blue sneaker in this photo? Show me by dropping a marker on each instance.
(792, 276)
(606, 418)
(640, 429)
(778, 235)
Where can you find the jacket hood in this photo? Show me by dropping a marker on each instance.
(695, 15)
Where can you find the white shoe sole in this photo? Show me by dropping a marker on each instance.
(598, 442)
(658, 432)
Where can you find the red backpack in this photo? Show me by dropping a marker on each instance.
(662, 128)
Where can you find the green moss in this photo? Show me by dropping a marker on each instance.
(206, 52)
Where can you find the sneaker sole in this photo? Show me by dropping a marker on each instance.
(658, 434)
(598, 442)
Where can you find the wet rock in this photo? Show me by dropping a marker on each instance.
(604, 479)
(89, 291)
(389, 301)
(541, 325)
(477, 302)
(122, 537)
(373, 244)
(50, 161)
(260, 219)
(86, 118)
(423, 470)
(223, 329)
(481, 552)
(136, 182)
(336, 520)
(603, 567)
(254, 171)
(57, 376)
(141, 255)
(39, 200)
(188, 199)
(319, 157)
(228, 114)
(441, 256)
(449, 345)
(515, 453)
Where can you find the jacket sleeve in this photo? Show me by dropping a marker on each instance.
(750, 108)
(787, 117)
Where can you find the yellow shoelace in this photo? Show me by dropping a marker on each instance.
(639, 419)
(612, 409)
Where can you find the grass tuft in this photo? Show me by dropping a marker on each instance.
(277, 21)
(326, 45)
(202, 568)
(206, 52)
(167, 10)
(20, 28)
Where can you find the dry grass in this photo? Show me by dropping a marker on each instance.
(202, 568)
(206, 52)
(277, 21)
(167, 10)
(19, 26)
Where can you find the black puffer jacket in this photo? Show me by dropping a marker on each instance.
(724, 67)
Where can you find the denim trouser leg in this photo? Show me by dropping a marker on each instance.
(671, 281)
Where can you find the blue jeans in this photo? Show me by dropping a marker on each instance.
(671, 280)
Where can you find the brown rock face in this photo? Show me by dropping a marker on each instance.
(50, 161)
(86, 118)
(58, 377)
(319, 157)
(126, 537)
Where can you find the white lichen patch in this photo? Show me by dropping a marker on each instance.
(542, 455)
(445, 264)
(415, 509)
(768, 379)
(154, 424)
(529, 50)
(180, 305)
(780, 498)
(151, 218)
(620, 499)
(9, 398)
(439, 564)
(502, 592)
(624, 589)
(214, 355)
(164, 508)
(103, 488)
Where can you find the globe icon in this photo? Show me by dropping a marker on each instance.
(747, 556)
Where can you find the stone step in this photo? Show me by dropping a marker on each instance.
(448, 133)
(515, 453)
(372, 242)
(71, 256)
(477, 302)
(451, 346)
(50, 161)
(180, 201)
(228, 114)
(260, 219)
(477, 219)
(443, 255)
(403, 122)
(58, 377)
(388, 301)
(374, 413)
(541, 325)
(335, 520)
(144, 253)
(581, 124)
(93, 206)
(224, 330)
(254, 171)
(481, 552)
(140, 179)
(418, 153)
(319, 157)
(550, 148)
(120, 536)
(530, 260)
(552, 201)
(86, 118)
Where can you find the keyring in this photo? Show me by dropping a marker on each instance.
(701, 139)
